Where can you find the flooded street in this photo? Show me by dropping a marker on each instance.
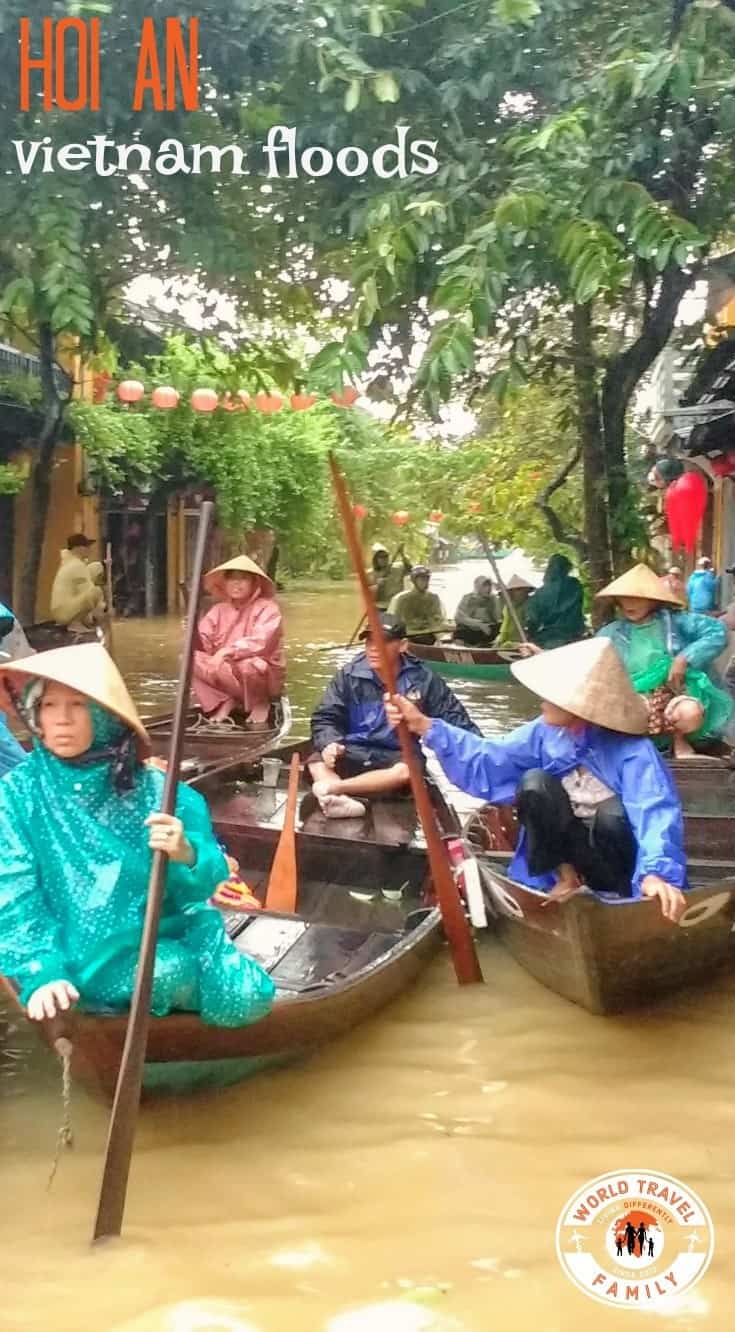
(407, 1179)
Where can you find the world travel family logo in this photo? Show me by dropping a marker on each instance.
(635, 1239)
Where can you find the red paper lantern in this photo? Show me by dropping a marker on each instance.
(347, 398)
(436, 516)
(131, 390)
(474, 506)
(685, 503)
(204, 400)
(244, 398)
(267, 402)
(165, 398)
(300, 401)
(400, 518)
(359, 511)
(229, 404)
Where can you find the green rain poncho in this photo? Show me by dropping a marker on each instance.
(74, 867)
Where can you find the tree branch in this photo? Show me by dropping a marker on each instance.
(543, 502)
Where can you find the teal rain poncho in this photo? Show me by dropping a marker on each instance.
(74, 867)
(554, 614)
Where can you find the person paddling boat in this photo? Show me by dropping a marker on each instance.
(595, 802)
(79, 822)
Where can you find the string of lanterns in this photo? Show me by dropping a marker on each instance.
(166, 398)
(399, 518)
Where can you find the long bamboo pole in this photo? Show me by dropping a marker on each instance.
(456, 928)
(123, 1119)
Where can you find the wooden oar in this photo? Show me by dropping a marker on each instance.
(282, 888)
(124, 1115)
(456, 928)
(522, 636)
(343, 646)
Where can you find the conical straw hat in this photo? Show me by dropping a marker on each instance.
(86, 667)
(589, 680)
(215, 583)
(641, 581)
(517, 581)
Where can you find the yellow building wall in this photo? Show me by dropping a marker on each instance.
(68, 512)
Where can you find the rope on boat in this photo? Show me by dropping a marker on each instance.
(65, 1135)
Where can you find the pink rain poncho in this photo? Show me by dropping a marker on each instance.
(255, 670)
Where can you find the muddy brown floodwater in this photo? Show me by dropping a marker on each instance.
(407, 1179)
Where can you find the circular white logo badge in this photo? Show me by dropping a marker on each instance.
(635, 1238)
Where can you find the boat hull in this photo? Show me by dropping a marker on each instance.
(459, 662)
(184, 1055)
(611, 955)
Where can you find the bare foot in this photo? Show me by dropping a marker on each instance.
(682, 747)
(326, 786)
(567, 884)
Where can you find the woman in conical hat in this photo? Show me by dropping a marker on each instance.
(241, 664)
(78, 823)
(519, 590)
(668, 654)
(596, 804)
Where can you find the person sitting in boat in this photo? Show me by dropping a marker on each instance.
(356, 752)
(385, 577)
(477, 617)
(419, 609)
(668, 653)
(519, 591)
(77, 600)
(79, 821)
(240, 667)
(554, 614)
(596, 804)
(13, 644)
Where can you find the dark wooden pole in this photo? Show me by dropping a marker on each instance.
(124, 1115)
(456, 927)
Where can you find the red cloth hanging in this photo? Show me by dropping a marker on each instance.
(685, 503)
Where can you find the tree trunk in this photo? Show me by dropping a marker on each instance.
(622, 377)
(7, 524)
(40, 482)
(589, 425)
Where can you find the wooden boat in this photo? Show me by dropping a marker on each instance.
(211, 746)
(364, 931)
(608, 953)
(458, 661)
(47, 635)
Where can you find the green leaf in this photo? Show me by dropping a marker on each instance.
(509, 12)
(352, 96)
(385, 88)
(375, 22)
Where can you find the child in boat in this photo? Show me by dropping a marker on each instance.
(668, 654)
(595, 802)
(356, 752)
(78, 823)
(241, 664)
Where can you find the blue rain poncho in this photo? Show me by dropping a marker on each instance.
(74, 867)
(628, 765)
